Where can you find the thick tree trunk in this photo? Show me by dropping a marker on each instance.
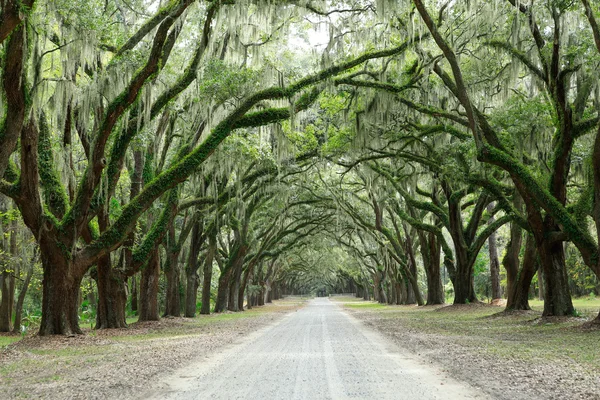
(366, 292)
(260, 301)
(511, 264)
(557, 296)
(494, 262)
(191, 272)
(411, 297)
(243, 288)
(519, 294)
(172, 298)
(391, 293)
(435, 289)
(236, 281)
(193, 282)
(269, 295)
(149, 289)
(207, 274)
(112, 296)
(462, 279)
(222, 291)
(463, 289)
(381, 298)
(431, 253)
(540, 288)
(60, 294)
(234, 287)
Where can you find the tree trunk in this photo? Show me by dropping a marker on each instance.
(431, 251)
(112, 297)
(136, 184)
(392, 293)
(243, 288)
(191, 272)
(191, 296)
(518, 291)
(511, 262)
(234, 287)
(494, 263)
(380, 289)
(172, 298)
(411, 298)
(21, 299)
(60, 293)
(366, 292)
(134, 294)
(463, 289)
(149, 289)
(5, 304)
(8, 282)
(557, 297)
(222, 291)
(462, 279)
(260, 301)
(207, 272)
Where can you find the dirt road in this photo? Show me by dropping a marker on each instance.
(318, 352)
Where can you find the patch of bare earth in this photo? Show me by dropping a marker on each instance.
(121, 363)
(508, 355)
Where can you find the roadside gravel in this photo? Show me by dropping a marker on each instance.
(505, 356)
(119, 364)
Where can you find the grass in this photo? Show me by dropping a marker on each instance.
(522, 336)
(6, 340)
(586, 306)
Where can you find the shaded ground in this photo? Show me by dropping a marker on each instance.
(514, 356)
(122, 363)
(319, 352)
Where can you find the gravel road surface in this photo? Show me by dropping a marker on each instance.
(318, 352)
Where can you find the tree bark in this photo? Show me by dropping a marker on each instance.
(60, 293)
(208, 271)
(112, 296)
(222, 291)
(134, 294)
(431, 252)
(557, 296)
(172, 298)
(518, 291)
(191, 271)
(494, 262)
(21, 298)
(149, 289)
(5, 308)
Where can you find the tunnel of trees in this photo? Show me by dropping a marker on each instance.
(168, 158)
